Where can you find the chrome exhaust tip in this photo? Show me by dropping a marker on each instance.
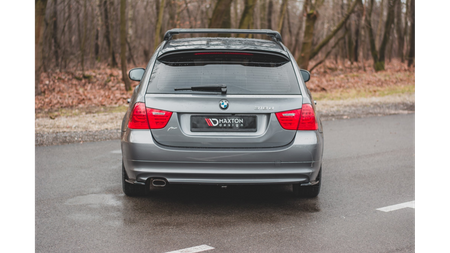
(157, 182)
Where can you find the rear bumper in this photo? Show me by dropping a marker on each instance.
(298, 162)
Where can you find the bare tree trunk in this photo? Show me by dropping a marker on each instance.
(373, 49)
(300, 26)
(289, 42)
(281, 16)
(387, 29)
(399, 30)
(357, 35)
(108, 35)
(269, 14)
(305, 53)
(159, 23)
(263, 16)
(172, 14)
(123, 44)
(379, 55)
(55, 33)
(97, 33)
(247, 16)
(83, 39)
(412, 35)
(221, 17)
(69, 33)
(350, 45)
(405, 30)
(40, 7)
(189, 14)
(376, 59)
(97, 45)
(380, 23)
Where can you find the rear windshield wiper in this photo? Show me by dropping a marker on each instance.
(215, 88)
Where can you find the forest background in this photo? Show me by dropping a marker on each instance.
(84, 48)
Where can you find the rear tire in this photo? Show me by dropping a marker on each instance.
(311, 191)
(131, 190)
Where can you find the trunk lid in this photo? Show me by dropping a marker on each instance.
(249, 85)
(199, 122)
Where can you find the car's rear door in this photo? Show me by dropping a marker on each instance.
(257, 86)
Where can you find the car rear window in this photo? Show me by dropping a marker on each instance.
(242, 72)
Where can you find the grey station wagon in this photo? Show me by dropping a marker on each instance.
(221, 111)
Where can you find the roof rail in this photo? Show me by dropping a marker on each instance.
(274, 34)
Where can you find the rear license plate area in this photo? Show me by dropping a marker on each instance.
(223, 123)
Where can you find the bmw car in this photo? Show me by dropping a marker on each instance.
(221, 111)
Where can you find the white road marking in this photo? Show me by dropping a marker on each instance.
(200, 248)
(410, 204)
(117, 151)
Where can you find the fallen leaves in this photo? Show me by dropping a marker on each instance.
(102, 87)
(354, 77)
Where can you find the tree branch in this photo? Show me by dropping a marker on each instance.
(341, 23)
(329, 52)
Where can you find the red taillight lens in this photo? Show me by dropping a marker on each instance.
(289, 119)
(157, 118)
(148, 118)
(307, 118)
(138, 119)
(300, 119)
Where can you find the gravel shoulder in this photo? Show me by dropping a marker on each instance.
(365, 107)
(106, 126)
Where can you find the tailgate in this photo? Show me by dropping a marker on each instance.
(198, 121)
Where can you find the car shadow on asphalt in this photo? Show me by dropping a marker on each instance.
(258, 202)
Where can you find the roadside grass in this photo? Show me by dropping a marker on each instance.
(353, 93)
(69, 112)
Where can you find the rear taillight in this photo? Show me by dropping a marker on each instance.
(148, 118)
(307, 118)
(300, 119)
(289, 119)
(138, 119)
(157, 118)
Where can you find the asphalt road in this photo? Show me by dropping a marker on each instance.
(368, 165)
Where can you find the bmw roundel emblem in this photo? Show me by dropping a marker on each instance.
(223, 104)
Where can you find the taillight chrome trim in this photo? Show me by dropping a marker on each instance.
(303, 119)
(142, 117)
(158, 119)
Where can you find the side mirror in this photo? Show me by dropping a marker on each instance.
(305, 74)
(136, 74)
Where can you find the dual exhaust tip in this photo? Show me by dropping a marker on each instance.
(159, 182)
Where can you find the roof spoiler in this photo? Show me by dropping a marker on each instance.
(274, 34)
